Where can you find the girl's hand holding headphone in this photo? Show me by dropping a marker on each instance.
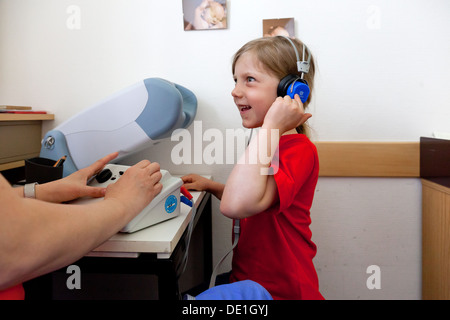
(286, 114)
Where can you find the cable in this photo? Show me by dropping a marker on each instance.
(236, 231)
(185, 199)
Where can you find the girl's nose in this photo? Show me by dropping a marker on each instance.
(236, 92)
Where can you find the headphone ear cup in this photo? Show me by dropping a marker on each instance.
(284, 84)
(292, 85)
(301, 88)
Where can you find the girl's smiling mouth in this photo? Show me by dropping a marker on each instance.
(244, 108)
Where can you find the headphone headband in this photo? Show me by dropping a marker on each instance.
(293, 84)
(302, 66)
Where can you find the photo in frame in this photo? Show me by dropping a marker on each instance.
(279, 27)
(204, 14)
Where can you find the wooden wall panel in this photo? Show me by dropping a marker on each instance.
(369, 159)
(435, 241)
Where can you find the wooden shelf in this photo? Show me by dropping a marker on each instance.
(20, 137)
(26, 116)
(12, 165)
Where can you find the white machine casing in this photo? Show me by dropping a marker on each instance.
(166, 205)
(129, 121)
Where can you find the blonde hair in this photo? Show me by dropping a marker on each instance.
(277, 56)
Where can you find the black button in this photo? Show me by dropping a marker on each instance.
(104, 175)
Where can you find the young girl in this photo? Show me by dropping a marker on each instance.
(275, 247)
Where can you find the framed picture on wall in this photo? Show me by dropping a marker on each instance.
(204, 14)
(279, 27)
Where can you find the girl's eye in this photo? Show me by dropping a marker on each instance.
(250, 79)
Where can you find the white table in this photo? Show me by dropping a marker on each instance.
(157, 250)
(160, 239)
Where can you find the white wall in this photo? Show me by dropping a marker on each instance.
(383, 76)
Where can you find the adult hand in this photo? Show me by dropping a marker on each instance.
(137, 187)
(75, 185)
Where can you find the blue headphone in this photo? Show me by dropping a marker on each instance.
(294, 84)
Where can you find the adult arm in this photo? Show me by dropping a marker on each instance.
(73, 186)
(37, 237)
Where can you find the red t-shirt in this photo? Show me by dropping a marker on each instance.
(13, 293)
(275, 247)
